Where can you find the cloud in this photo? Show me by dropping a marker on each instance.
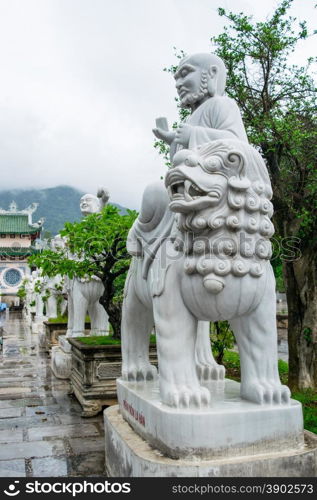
(82, 83)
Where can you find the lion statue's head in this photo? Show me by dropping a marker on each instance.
(221, 194)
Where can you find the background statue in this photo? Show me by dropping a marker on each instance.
(29, 306)
(84, 294)
(38, 286)
(91, 204)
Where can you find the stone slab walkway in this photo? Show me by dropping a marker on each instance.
(41, 430)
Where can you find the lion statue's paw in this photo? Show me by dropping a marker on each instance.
(265, 392)
(139, 373)
(210, 371)
(185, 396)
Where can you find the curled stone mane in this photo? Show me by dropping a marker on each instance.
(232, 237)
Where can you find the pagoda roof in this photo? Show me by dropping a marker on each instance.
(10, 224)
(18, 251)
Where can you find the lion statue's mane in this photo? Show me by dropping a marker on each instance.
(231, 235)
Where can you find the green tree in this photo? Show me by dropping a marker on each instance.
(278, 101)
(222, 338)
(99, 244)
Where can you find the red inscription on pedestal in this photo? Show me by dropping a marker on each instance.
(139, 417)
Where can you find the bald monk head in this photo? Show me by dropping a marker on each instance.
(199, 77)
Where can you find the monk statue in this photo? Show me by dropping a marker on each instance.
(200, 83)
(91, 204)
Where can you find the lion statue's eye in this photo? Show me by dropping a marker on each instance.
(212, 164)
(192, 160)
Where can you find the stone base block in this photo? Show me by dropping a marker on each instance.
(61, 361)
(230, 427)
(42, 339)
(37, 327)
(64, 344)
(128, 455)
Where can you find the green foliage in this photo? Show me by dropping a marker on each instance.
(231, 361)
(283, 371)
(106, 340)
(222, 338)
(99, 340)
(59, 319)
(278, 272)
(46, 296)
(308, 398)
(96, 246)
(38, 286)
(64, 319)
(22, 290)
(308, 335)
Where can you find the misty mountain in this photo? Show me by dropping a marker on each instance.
(58, 205)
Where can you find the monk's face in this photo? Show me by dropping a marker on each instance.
(89, 204)
(188, 82)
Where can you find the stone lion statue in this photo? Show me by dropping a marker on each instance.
(201, 253)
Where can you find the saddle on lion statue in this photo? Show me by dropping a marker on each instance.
(201, 253)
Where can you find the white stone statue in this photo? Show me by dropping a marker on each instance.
(91, 204)
(29, 305)
(82, 297)
(84, 294)
(200, 83)
(38, 290)
(214, 267)
(206, 257)
(35, 292)
(54, 287)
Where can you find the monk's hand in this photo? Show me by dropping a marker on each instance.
(164, 135)
(183, 134)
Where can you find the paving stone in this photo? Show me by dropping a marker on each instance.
(54, 431)
(25, 422)
(29, 401)
(11, 436)
(76, 418)
(32, 449)
(12, 468)
(80, 445)
(42, 432)
(6, 391)
(10, 412)
(11, 403)
(92, 464)
(43, 410)
(49, 467)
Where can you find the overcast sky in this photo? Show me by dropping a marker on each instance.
(82, 83)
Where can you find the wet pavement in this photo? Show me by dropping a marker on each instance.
(41, 430)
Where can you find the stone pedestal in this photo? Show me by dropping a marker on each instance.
(95, 369)
(53, 331)
(37, 325)
(61, 358)
(232, 437)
